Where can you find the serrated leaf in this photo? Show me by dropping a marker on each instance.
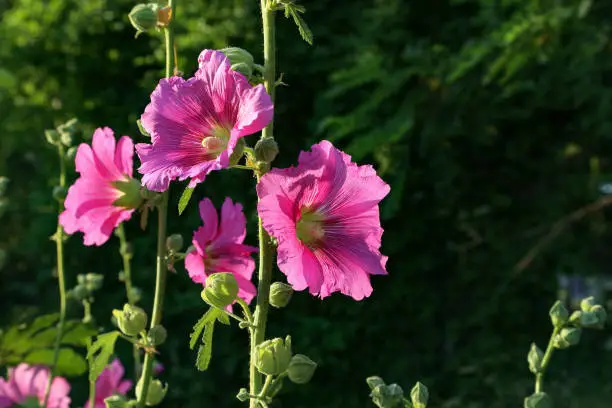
(141, 128)
(100, 352)
(294, 11)
(205, 350)
(69, 362)
(223, 318)
(210, 316)
(184, 200)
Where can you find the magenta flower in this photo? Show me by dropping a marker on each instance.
(109, 383)
(196, 123)
(219, 247)
(27, 382)
(324, 214)
(105, 194)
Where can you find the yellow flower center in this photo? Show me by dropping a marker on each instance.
(310, 228)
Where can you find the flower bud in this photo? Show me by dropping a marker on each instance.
(601, 315)
(280, 294)
(419, 395)
(59, 193)
(93, 281)
(131, 198)
(241, 60)
(243, 68)
(374, 382)
(155, 393)
(243, 395)
(587, 303)
(127, 249)
(174, 242)
(272, 357)
(570, 335)
(53, 137)
(116, 401)
(534, 358)
(588, 319)
(144, 17)
(80, 292)
(301, 369)
(4, 182)
(71, 153)
(131, 320)
(558, 314)
(266, 149)
(157, 335)
(221, 289)
(386, 396)
(136, 294)
(68, 128)
(538, 400)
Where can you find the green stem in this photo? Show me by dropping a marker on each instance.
(162, 267)
(127, 279)
(59, 244)
(266, 249)
(246, 310)
(546, 359)
(92, 394)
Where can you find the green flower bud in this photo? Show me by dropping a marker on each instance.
(68, 128)
(136, 294)
(241, 60)
(131, 198)
(272, 357)
(587, 303)
(127, 249)
(601, 315)
(238, 152)
(174, 242)
(575, 317)
(538, 400)
(71, 153)
(387, 396)
(59, 193)
(155, 393)
(534, 358)
(116, 401)
(53, 137)
(80, 292)
(221, 289)
(144, 17)
(131, 320)
(266, 149)
(243, 68)
(374, 382)
(66, 139)
(419, 395)
(157, 335)
(243, 395)
(571, 335)
(4, 182)
(558, 314)
(94, 281)
(589, 319)
(301, 369)
(280, 294)
(81, 279)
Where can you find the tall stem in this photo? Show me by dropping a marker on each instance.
(266, 249)
(546, 359)
(162, 209)
(61, 282)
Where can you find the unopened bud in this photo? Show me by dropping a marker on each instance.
(240, 60)
(71, 153)
(558, 314)
(587, 303)
(374, 382)
(136, 294)
(419, 395)
(243, 395)
(53, 137)
(272, 357)
(157, 335)
(131, 320)
(174, 242)
(280, 294)
(80, 292)
(132, 197)
(589, 319)
(4, 182)
(127, 250)
(93, 281)
(155, 394)
(221, 289)
(266, 149)
(384, 396)
(538, 400)
(601, 315)
(59, 193)
(116, 401)
(534, 358)
(569, 336)
(68, 128)
(301, 369)
(144, 17)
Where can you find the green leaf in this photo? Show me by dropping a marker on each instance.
(223, 318)
(142, 129)
(295, 12)
(205, 350)
(100, 352)
(69, 362)
(210, 316)
(184, 200)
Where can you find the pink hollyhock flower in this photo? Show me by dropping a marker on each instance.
(109, 383)
(195, 124)
(324, 214)
(105, 194)
(219, 247)
(27, 382)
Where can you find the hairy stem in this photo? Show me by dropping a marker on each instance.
(61, 282)
(162, 267)
(545, 360)
(266, 249)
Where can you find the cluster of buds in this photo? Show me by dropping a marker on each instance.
(87, 284)
(392, 395)
(174, 244)
(63, 134)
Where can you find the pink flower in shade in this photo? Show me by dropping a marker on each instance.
(196, 123)
(219, 247)
(109, 383)
(30, 382)
(105, 194)
(324, 214)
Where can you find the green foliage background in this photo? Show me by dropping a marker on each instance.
(491, 119)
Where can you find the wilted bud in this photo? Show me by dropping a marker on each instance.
(386, 396)
(243, 395)
(587, 303)
(301, 369)
(131, 198)
(131, 320)
(240, 60)
(280, 294)
(116, 401)
(221, 289)
(71, 153)
(93, 281)
(59, 193)
(4, 182)
(538, 400)
(155, 394)
(601, 315)
(144, 17)
(419, 395)
(53, 137)
(238, 152)
(374, 382)
(174, 242)
(534, 358)
(272, 357)
(558, 314)
(266, 149)
(569, 336)
(157, 335)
